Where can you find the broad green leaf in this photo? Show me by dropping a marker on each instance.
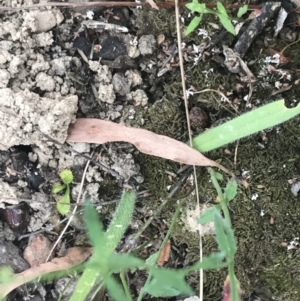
(63, 205)
(121, 262)
(66, 176)
(218, 176)
(207, 216)
(224, 236)
(193, 25)
(120, 221)
(213, 261)
(242, 10)
(222, 9)
(6, 274)
(245, 125)
(196, 7)
(167, 283)
(56, 188)
(152, 259)
(231, 190)
(95, 229)
(111, 238)
(226, 22)
(89, 278)
(157, 289)
(114, 289)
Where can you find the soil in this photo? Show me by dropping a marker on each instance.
(53, 70)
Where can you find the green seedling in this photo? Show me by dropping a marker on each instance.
(247, 124)
(63, 205)
(105, 244)
(104, 262)
(223, 229)
(242, 10)
(200, 8)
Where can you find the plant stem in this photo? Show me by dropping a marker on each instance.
(286, 47)
(125, 286)
(223, 203)
(174, 218)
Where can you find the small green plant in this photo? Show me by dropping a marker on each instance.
(63, 204)
(221, 13)
(200, 8)
(161, 282)
(104, 262)
(247, 124)
(223, 231)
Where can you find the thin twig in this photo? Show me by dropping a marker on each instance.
(235, 153)
(190, 138)
(221, 94)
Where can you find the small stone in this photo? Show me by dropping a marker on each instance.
(121, 84)
(147, 44)
(106, 93)
(138, 98)
(37, 250)
(198, 118)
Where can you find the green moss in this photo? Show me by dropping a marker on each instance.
(261, 261)
(282, 277)
(165, 118)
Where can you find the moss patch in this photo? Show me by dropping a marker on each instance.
(261, 261)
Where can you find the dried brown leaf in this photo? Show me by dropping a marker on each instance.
(99, 131)
(164, 254)
(74, 257)
(153, 4)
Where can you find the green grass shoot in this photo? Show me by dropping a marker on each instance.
(247, 124)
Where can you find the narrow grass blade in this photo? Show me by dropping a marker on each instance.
(252, 122)
(111, 239)
(120, 221)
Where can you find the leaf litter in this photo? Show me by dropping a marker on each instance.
(99, 131)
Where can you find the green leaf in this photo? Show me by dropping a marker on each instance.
(226, 22)
(120, 221)
(63, 205)
(66, 176)
(167, 283)
(114, 289)
(231, 190)
(222, 9)
(213, 261)
(157, 289)
(152, 259)
(193, 25)
(6, 275)
(56, 188)
(95, 229)
(224, 236)
(196, 7)
(111, 238)
(121, 262)
(207, 216)
(242, 10)
(245, 125)
(218, 176)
